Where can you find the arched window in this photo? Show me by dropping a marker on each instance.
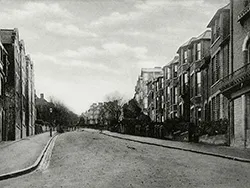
(248, 52)
(246, 49)
(246, 3)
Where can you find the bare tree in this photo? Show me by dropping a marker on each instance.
(112, 109)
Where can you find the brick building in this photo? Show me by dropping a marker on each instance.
(151, 100)
(160, 99)
(3, 78)
(236, 85)
(16, 88)
(209, 80)
(199, 53)
(141, 93)
(30, 97)
(170, 84)
(219, 64)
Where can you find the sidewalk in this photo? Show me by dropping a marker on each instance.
(20, 154)
(237, 154)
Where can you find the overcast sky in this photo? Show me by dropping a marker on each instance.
(84, 50)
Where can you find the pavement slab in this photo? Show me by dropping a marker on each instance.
(20, 154)
(239, 154)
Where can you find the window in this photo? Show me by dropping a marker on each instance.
(246, 3)
(175, 95)
(213, 109)
(162, 101)
(248, 50)
(1, 53)
(185, 82)
(180, 84)
(181, 109)
(168, 73)
(217, 107)
(215, 69)
(175, 70)
(185, 56)
(198, 51)
(168, 93)
(199, 114)
(215, 30)
(162, 83)
(192, 88)
(171, 96)
(198, 83)
(1, 87)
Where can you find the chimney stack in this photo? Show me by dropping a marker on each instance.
(42, 96)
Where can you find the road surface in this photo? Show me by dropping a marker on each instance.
(90, 159)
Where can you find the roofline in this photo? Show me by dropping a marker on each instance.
(216, 14)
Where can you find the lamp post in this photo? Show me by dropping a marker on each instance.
(50, 128)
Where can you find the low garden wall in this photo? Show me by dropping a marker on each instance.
(216, 140)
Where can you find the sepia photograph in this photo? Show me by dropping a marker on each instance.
(124, 93)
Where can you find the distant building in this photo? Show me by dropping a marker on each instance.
(93, 116)
(141, 93)
(170, 79)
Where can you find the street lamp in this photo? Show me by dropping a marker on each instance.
(50, 129)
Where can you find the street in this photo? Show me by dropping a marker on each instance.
(90, 159)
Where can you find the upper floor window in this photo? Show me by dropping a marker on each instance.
(192, 84)
(185, 78)
(246, 3)
(1, 54)
(162, 101)
(168, 93)
(215, 30)
(175, 95)
(198, 51)
(248, 50)
(1, 87)
(215, 68)
(185, 56)
(175, 70)
(198, 83)
(168, 73)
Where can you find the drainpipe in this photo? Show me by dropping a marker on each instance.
(231, 34)
(231, 102)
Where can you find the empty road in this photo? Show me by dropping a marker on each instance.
(90, 159)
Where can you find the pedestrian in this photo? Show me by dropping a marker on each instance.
(50, 131)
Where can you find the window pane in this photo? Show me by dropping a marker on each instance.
(198, 77)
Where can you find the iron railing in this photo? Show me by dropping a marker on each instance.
(237, 77)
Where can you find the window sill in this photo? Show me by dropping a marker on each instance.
(216, 40)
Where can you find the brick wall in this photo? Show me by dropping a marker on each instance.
(238, 123)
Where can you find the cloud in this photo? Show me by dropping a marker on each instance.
(41, 58)
(82, 52)
(107, 51)
(115, 48)
(115, 18)
(34, 10)
(67, 30)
